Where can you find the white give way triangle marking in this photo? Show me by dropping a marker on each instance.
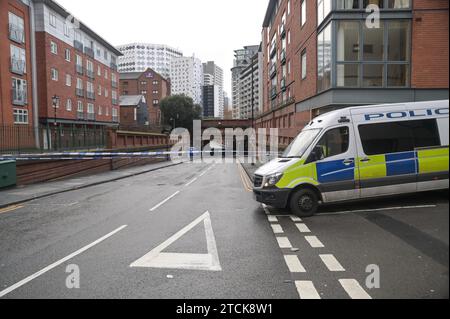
(209, 262)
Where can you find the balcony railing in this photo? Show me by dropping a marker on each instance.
(89, 52)
(18, 66)
(80, 115)
(90, 74)
(283, 84)
(78, 46)
(79, 69)
(273, 93)
(90, 95)
(283, 57)
(16, 34)
(79, 92)
(115, 119)
(113, 66)
(273, 71)
(91, 116)
(19, 97)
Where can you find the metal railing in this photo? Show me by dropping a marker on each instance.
(79, 69)
(90, 74)
(18, 66)
(90, 95)
(79, 92)
(89, 52)
(78, 46)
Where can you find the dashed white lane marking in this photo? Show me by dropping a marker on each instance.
(294, 264)
(314, 242)
(191, 182)
(375, 210)
(266, 209)
(272, 219)
(332, 263)
(296, 219)
(306, 290)
(354, 289)
(303, 228)
(56, 264)
(164, 201)
(284, 242)
(277, 229)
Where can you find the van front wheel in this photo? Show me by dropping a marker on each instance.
(304, 203)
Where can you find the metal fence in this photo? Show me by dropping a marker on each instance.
(16, 139)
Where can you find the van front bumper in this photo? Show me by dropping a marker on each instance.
(277, 198)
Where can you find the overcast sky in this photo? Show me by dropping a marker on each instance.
(210, 29)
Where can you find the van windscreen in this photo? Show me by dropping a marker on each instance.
(301, 143)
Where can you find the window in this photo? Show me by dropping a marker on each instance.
(20, 116)
(155, 82)
(348, 44)
(19, 91)
(289, 7)
(79, 84)
(323, 9)
(303, 13)
(68, 80)
(99, 90)
(304, 65)
(398, 40)
(80, 107)
(106, 93)
(399, 4)
(16, 28)
(53, 47)
(18, 60)
(99, 71)
(155, 91)
(106, 74)
(379, 3)
(155, 102)
(347, 75)
(66, 30)
(373, 49)
(334, 142)
(52, 20)
(347, 4)
(79, 60)
(100, 110)
(67, 55)
(69, 105)
(324, 59)
(54, 74)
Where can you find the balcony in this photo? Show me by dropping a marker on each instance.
(283, 31)
(113, 66)
(273, 71)
(79, 69)
(283, 84)
(273, 93)
(115, 119)
(283, 57)
(18, 66)
(89, 52)
(80, 115)
(273, 50)
(78, 46)
(90, 74)
(90, 95)
(19, 97)
(79, 92)
(91, 116)
(16, 34)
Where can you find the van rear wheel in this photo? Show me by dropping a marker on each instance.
(304, 203)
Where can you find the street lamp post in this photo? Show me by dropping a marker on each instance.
(55, 101)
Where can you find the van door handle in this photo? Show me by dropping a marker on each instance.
(348, 162)
(365, 160)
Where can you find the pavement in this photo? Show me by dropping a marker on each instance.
(21, 194)
(195, 231)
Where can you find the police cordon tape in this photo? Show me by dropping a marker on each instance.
(118, 155)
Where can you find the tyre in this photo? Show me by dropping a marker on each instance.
(304, 203)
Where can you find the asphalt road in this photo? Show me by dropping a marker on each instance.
(194, 231)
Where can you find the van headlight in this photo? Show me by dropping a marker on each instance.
(273, 179)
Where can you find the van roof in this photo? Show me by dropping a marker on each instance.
(332, 118)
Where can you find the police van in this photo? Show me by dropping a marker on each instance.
(358, 153)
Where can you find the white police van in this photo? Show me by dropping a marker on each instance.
(360, 152)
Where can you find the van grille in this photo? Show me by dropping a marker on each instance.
(258, 181)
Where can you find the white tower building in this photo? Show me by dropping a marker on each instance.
(186, 76)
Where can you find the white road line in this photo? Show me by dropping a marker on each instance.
(272, 219)
(284, 242)
(294, 264)
(277, 229)
(296, 219)
(306, 290)
(56, 264)
(354, 289)
(376, 210)
(303, 228)
(266, 209)
(314, 242)
(332, 263)
(191, 182)
(164, 201)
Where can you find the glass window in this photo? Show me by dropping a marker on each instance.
(324, 59)
(304, 65)
(301, 143)
(20, 116)
(386, 138)
(373, 75)
(373, 43)
(399, 4)
(379, 3)
(16, 28)
(347, 4)
(303, 16)
(18, 60)
(398, 41)
(425, 133)
(323, 9)
(348, 42)
(52, 20)
(334, 142)
(69, 105)
(348, 75)
(398, 75)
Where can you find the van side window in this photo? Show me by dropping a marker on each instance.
(397, 137)
(334, 142)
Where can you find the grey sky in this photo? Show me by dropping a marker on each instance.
(211, 29)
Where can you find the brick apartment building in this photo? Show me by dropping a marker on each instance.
(153, 86)
(16, 76)
(319, 55)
